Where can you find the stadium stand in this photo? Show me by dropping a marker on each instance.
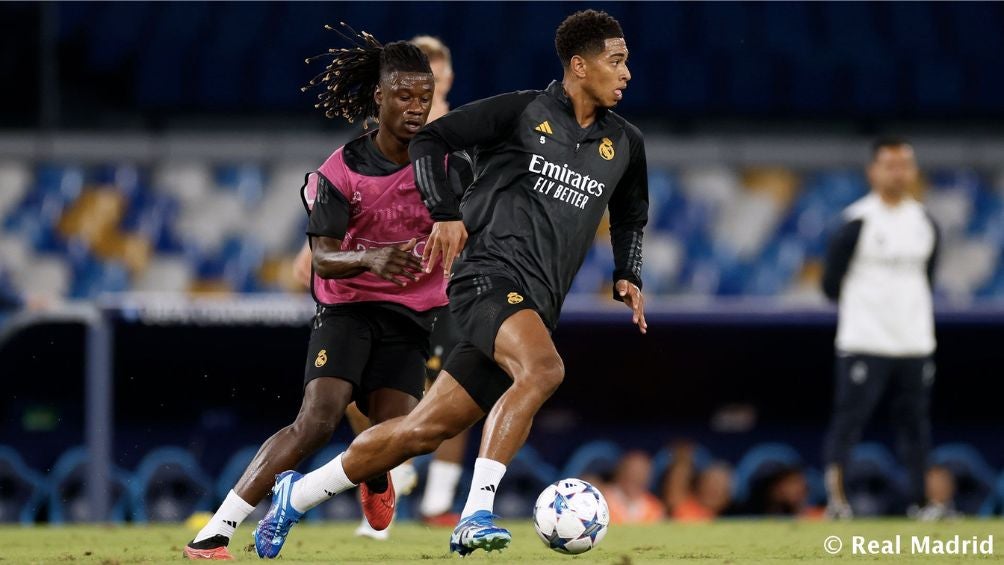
(79, 231)
(67, 496)
(23, 491)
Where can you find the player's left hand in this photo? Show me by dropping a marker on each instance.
(633, 297)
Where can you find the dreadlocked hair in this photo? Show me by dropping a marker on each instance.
(354, 73)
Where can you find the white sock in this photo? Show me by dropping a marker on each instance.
(487, 476)
(440, 487)
(405, 478)
(319, 485)
(230, 515)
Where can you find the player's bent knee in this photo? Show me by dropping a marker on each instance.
(544, 376)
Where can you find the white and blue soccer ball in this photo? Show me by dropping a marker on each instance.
(571, 516)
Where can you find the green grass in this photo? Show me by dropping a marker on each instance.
(762, 541)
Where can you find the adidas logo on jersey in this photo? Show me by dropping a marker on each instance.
(544, 127)
(489, 488)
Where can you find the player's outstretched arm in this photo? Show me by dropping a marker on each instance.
(395, 264)
(631, 295)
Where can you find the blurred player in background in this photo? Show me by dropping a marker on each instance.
(880, 269)
(446, 467)
(375, 306)
(550, 163)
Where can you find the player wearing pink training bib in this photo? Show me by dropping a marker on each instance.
(375, 304)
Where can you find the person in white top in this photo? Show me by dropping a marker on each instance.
(879, 269)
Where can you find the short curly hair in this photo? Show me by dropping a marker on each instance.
(584, 33)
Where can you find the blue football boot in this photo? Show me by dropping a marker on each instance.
(271, 531)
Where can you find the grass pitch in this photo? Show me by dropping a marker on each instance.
(737, 541)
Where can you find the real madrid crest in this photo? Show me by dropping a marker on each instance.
(607, 148)
(514, 298)
(322, 358)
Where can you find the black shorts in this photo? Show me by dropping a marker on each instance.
(445, 336)
(479, 305)
(371, 347)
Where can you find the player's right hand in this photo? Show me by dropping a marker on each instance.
(447, 240)
(390, 263)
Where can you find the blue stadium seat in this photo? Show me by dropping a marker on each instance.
(596, 457)
(68, 497)
(974, 478)
(994, 503)
(874, 481)
(241, 259)
(64, 181)
(232, 471)
(168, 486)
(761, 459)
(776, 266)
(526, 476)
(126, 178)
(23, 490)
(96, 277)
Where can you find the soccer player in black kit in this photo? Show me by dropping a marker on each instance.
(549, 164)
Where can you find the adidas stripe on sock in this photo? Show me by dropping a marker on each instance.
(232, 512)
(487, 476)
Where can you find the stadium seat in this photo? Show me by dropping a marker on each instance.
(760, 460)
(966, 266)
(168, 486)
(526, 476)
(596, 457)
(166, 273)
(68, 496)
(875, 483)
(994, 503)
(46, 274)
(15, 178)
(664, 458)
(23, 489)
(974, 478)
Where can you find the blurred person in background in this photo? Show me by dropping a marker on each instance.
(696, 496)
(880, 270)
(375, 303)
(940, 489)
(446, 467)
(781, 491)
(627, 494)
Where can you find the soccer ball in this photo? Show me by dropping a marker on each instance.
(571, 516)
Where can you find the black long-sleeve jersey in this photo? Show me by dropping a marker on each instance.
(542, 184)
